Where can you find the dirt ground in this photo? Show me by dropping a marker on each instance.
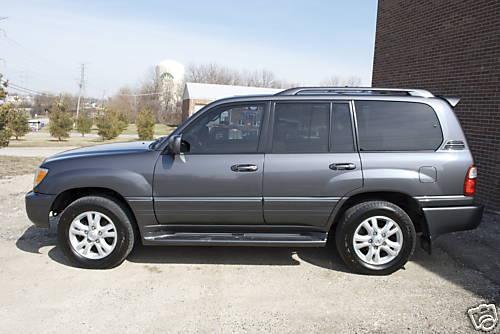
(215, 290)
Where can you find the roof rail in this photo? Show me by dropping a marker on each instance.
(355, 91)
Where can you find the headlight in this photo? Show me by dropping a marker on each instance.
(40, 174)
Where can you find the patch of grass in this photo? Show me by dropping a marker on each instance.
(13, 166)
(160, 129)
(43, 138)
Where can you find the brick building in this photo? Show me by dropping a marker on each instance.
(450, 48)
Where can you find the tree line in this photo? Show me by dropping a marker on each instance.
(110, 122)
(157, 99)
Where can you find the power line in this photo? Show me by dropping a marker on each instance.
(20, 88)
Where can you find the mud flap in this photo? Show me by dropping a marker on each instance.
(426, 244)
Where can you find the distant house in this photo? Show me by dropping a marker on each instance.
(198, 95)
(37, 124)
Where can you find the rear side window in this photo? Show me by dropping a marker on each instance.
(397, 126)
(301, 127)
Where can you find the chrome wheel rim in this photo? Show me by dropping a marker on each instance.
(92, 235)
(378, 240)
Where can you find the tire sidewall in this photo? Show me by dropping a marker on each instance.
(349, 227)
(111, 210)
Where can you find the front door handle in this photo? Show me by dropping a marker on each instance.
(244, 168)
(343, 166)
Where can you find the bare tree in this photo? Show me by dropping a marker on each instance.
(217, 74)
(336, 81)
(352, 81)
(213, 74)
(124, 102)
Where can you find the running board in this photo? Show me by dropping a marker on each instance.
(303, 239)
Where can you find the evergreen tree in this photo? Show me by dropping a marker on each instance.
(18, 123)
(5, 111)
(60, 121)
(84, 124)
(145, 122)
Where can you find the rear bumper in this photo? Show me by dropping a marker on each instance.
(38, 208)
(442, 220)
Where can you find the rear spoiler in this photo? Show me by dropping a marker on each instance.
(452, 100)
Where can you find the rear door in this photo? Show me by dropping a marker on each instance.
(310, 163)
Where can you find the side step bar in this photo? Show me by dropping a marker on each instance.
(303, 239)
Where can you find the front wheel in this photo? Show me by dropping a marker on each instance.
(375, 237)
(95, 232)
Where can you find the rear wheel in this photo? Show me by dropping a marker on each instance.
(375, 237)
(96, 232)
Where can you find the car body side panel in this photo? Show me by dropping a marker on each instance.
(401, 172)
(129, 174)
(203, 189)
(302, 189)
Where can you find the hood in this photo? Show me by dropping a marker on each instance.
(104, 149)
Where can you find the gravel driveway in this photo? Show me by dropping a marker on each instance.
(196, 289)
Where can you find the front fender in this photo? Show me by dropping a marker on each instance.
(125, 182)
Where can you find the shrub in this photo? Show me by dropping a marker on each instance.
(5, 131)
(60, 121)
(110, 124)
(145, 122)
(84, 124)
(18, 123)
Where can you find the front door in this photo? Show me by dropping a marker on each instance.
(218, 177)
(311, 162)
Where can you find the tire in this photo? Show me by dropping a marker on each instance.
(113, 227)
(381, 214)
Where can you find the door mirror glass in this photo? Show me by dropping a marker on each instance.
(174, 144)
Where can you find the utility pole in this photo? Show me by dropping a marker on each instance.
(81, 85)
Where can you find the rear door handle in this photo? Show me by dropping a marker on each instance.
(244, 168)
(343, 166)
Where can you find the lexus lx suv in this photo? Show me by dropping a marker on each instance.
(368, 168)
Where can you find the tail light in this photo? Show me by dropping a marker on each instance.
(470, 181)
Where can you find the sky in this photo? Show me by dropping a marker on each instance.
(43, 43)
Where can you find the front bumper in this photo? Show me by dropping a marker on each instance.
(38, 208)
(442, 220)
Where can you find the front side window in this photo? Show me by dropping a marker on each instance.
(231, 129)
(397, 126)
(301, 127)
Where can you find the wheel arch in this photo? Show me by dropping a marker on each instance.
(68, 196)
(406, 202)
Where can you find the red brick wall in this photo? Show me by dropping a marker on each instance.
(450, 47)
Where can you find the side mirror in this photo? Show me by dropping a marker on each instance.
(174, 144)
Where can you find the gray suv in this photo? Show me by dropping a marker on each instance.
(367, 168)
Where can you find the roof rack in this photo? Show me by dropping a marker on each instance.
(355, 91)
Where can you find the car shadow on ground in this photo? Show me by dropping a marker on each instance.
(34, 239)
(457, 257)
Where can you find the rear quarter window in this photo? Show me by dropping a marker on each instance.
(397, 126)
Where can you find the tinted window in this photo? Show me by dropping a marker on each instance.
(342, 137)
(301, 127)
(397, 126)
(234, 129)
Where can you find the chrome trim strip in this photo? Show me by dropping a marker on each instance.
(139, 199)
(208, 199)
(301, 199)
(442, 198)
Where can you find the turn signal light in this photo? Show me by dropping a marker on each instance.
(40, 174)
(470, 181)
